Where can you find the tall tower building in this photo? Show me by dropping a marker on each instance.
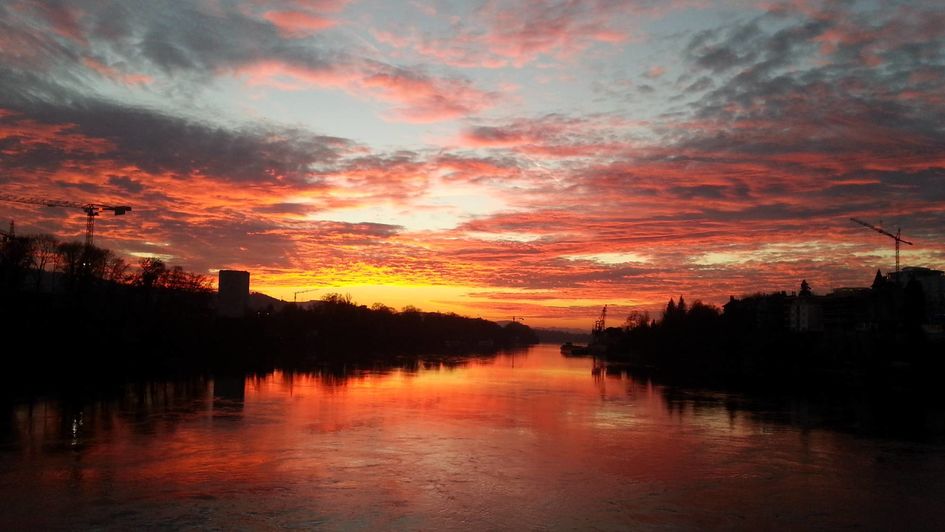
(233, 295)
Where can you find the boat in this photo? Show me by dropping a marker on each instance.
(569, 349)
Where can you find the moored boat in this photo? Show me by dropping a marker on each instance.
(569, 349)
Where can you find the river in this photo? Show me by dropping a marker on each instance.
(527, 440)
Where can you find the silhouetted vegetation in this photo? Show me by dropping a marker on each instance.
(849, 335)
(82, 310)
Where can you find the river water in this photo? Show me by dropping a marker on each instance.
(529, 440)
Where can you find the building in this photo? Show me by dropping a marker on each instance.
(233, 293)
(806, 313)
(933, 290)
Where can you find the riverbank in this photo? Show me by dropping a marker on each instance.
(119, 331)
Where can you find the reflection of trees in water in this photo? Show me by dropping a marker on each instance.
(72, 422)
(878, 411)
(334, 375)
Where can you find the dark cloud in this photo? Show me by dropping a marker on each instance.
(739, 191)
(699, 85)
(159, 143)
(858, 86)
(126, 183)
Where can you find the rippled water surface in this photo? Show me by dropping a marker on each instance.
(523, 441)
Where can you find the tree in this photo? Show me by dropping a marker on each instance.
(44, 253)
(637, 319)
(382, 308)
(95, 261)
(195, 282)
(670, 311)
(805, 289)
(700, 313)
(68, 261)
(335, 298)
(16, 257)
(151, 272)
(175, 278)
(117, 270)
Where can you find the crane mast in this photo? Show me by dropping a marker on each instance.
(91, 210)
(897, 237)
(601, 322)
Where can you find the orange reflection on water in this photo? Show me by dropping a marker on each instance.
(520, 440)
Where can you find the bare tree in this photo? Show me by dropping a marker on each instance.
(45, 248)
(151, 272)
(16, 257)
(117, 270)
(637, 319)
(68, 261)
(196, 282)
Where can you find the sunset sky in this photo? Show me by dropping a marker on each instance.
(495, 159)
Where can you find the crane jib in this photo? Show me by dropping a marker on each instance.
(90, 209)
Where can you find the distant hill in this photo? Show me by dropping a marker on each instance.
(259, 301)
(556, 335)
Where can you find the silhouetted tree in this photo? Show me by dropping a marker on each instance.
(16, 257)
(670, 308)
(637, 319)
(380, 307)
(117, 270)
(805, 289)
(44, 254)
(151, 271)
(338, 299)
(174, 279)
(68, 261)
(95, 262)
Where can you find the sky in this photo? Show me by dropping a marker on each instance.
(534, 158)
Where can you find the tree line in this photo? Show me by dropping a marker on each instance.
(752, 338)
(91, 313)
(44, 263)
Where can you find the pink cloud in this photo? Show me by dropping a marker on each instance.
(500, 34)
(116, 75)
(655, 72)
(64, 19)
(298, 23)
(288, 76)
(417, 97)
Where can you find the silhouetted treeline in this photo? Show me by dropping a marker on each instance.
(81, 310)
(337, 327)
(848, 335)
(41, 263)
(560, 336)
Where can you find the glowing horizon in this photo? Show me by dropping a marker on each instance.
(496, 158)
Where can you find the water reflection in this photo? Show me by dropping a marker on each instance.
(519, 440)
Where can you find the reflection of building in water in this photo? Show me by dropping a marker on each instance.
(229, 389)
(233, 296)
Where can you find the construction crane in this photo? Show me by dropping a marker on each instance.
(601, 322)
(91, 210)
(897, 237)
(295, 295)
